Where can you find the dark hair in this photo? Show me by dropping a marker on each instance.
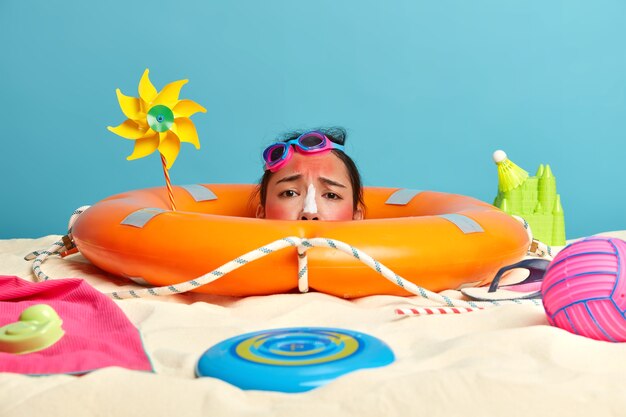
(336, 135)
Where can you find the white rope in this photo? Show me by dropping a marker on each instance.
(303, 270)
(56, 249)
(302, 245)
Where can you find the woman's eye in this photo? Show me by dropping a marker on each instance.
(289, 193)
(332, 196)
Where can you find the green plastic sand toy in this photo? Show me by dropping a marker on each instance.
(533, 198)
(39, 327)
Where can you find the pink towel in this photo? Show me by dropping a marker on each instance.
(97, 333)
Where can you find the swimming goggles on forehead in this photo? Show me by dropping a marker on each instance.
(278, 154)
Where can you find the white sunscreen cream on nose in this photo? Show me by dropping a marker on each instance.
(309, 200)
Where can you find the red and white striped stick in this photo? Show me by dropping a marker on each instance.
(168, 183)
(428, 311)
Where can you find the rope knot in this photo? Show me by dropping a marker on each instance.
(303, 269)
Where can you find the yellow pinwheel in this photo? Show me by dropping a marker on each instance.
(158, 120)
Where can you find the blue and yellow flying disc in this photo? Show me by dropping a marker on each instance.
(294, 359)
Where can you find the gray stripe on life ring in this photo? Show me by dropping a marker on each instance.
(138, 280)
(199, 192)
(402, 197)
(142, 216)
(466, 224)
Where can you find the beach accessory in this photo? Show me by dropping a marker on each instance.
(534, 198)
(95, 332)
(510, 175)
(278, 154)
(38, 328)
(296, 359)
(508, 284)
(584, 290)
(158, 121)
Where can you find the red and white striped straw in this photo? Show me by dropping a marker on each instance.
(428, 311)
(168, 183)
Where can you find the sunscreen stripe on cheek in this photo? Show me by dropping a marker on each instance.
(309, 201)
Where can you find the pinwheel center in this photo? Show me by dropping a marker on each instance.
(160, 118)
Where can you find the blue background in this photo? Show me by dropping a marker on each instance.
(427, 90)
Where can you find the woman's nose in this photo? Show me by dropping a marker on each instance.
(309, 211)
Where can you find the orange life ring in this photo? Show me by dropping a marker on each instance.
(435, 240)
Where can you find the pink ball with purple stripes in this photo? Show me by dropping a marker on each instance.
(584, 289)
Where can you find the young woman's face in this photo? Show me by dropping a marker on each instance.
(310, 187)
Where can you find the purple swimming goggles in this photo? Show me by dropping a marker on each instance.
(278, 154)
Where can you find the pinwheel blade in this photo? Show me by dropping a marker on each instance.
(186, 131)
(147, 92)
(169, 95)
(131, 106)
(144, 147)
(128, 130)
(169, 147)
(186, 108)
